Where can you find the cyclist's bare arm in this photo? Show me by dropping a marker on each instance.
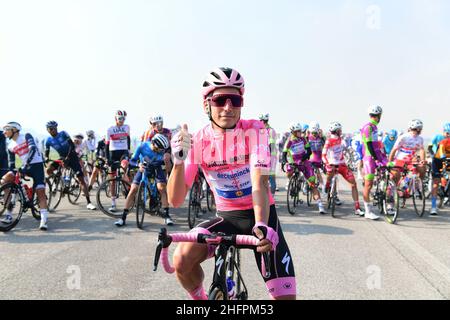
(176, 186)
(392, 154)
(260, 185)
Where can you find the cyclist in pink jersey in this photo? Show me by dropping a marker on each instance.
(372, 156)
(333, 155)
(235, 159)
(296, 153)
(316, 141)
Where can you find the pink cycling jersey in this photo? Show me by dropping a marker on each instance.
(369, 133)
(296, 149)
(333, 151)
(227, 160)
(316, 143)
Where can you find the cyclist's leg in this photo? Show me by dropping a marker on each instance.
(93, 177)
(133, 190)
(330, 175)
(7, 178)
(396, 174)
(188, 256)
(52, 167)
(369, 176)
(37, 173)
(436, 166)
(74, 164)
(348, 175)
(308, 172)
(167, 163)
(281, 285)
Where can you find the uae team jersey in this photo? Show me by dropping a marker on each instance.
(25, 147)
(408, 146)
(117, 137)
(333, 151)
(227, 160)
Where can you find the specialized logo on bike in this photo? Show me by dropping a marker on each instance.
(219, 264)
(286, 260)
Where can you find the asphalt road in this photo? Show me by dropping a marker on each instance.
(84, 256)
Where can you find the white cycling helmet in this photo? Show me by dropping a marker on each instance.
(222, 78)
(12, 125)
(78, 136)
(157, 118)
(295, 127)
(161, 141)
(416, 124)
(264, 117)
(375, 110)
(335, 126)
(121, 113)
(314, 127)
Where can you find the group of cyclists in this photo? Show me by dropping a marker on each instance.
(308, 147)
(73, 151)
(238, 159)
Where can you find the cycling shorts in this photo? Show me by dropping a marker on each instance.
(436, 166)
(305, 167)
(160, 176)
(369, 168)
(36, 172)
(73, 162)
(344, 171)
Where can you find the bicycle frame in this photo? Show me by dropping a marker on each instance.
(224, 256)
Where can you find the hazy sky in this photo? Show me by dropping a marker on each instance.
(77, 62)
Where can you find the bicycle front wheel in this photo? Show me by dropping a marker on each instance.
(333, 196)
(292, 195)
(194, 204)
(210, 201)
(217, 294)
(418, 197)
(54, 188)
(74, 191)
(391, 202)
(143, 193)
(12, 203)
(113, 188)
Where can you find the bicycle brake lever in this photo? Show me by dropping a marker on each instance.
(266, 261)
(157, 255)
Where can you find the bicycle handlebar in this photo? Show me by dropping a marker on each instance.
(165, 240)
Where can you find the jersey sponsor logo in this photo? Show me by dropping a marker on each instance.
(230, 176)
(116, 130)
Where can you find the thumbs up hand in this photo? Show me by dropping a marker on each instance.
(181, 144)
